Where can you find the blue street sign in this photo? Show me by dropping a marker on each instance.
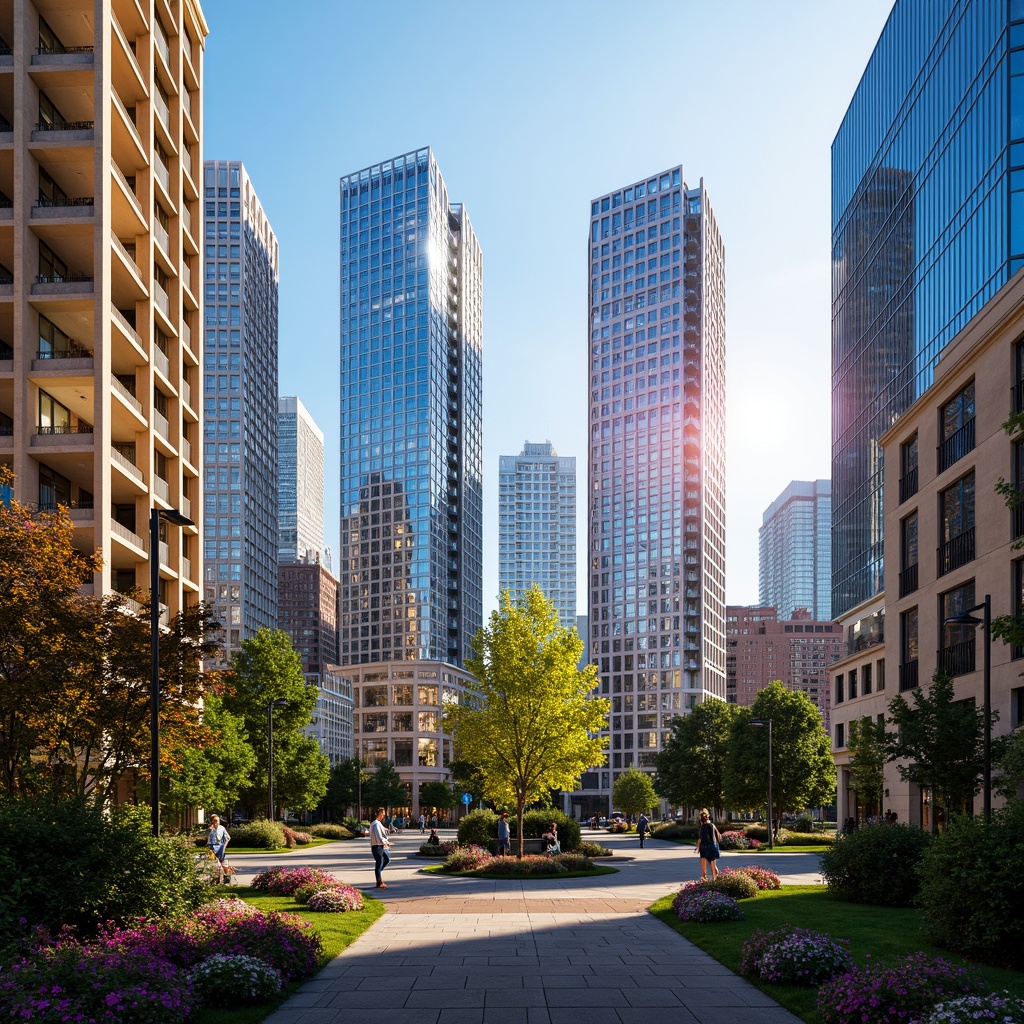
(467, 798)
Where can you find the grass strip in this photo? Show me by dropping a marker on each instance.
(336, 931)
(878, 933)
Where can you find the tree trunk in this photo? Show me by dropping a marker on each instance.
(520, 804)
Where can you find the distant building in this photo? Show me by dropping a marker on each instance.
(537, 526)
(300, 470)
(798, 651)
(795, 550)
(331, 724)
(240, 396)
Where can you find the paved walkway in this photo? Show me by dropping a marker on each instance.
(525, 951)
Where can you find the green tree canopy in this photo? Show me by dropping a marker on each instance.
(436, 795)
(633, 792)
(691, 766)
(528, 722)
(937, 743)
(385, 788)
(1008, 757)
(343, 788)
(266, 668)
(803, 773)
(866, 744)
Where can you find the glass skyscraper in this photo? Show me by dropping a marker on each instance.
(927, 224)
(795, 551)
(410, 567)
(240, 402)
(657, 459)
(300, 468)
(537, 526)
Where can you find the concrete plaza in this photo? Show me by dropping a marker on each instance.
(525, 951)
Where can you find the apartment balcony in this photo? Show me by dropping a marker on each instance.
(77, 208)
(71, 361)
(957, 659)
(162, 489)
(161, 426)
(908, 580)
(163, 238)
(1017, 518)
(161, 361)
(956, 446)
(126, 396)
(70, 285)
(957, 551)
(118, 320)
(71, 437)
(1017, 397)
(129, 537)
(122, 457)
(908, 675)
(162, 174)
(162, 301)
(61, 133)
(908, 484)
(162, 111)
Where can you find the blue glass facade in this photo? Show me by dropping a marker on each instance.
(411, 566)
(927, 224)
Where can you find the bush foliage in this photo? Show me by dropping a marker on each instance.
(794, 956)
(478, 827)
(331, 832)
(876, 864)
(260, 835)
(972, 888)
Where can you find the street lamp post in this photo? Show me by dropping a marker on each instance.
(965, 618)
(270, 754)
(169, 515)
(771, 831)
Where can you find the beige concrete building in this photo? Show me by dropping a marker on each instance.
(100, 129)
(950, 542)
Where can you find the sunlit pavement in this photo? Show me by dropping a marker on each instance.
(538, 951)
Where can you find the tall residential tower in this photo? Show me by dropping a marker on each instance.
(300, 469)
(240, 396)
(657, 459)
(100, 227)
(537, 526)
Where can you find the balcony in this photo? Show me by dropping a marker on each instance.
(160, 106)
(72, 283)
(125, 395)
(128, 536)
(1017, 514)
(77, 208)
(118, 318)
(957, 445)
(163, 175)
(908, 675)
(1017, 397)
(162, 236)
(162, 489)
(908, 484)
(161, 362)
(123, 457)
(956, 551)
(957, 659)
(908, 580)
(163, 302)
(64, 131)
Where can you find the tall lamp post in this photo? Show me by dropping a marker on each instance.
(282, 703)
(173, 516)
(771, 831)
(965, 618)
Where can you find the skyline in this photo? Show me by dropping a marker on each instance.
(526, 150)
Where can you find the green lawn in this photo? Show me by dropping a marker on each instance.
(884, 933)
(336, 931)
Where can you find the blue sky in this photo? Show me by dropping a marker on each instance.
(532, 109)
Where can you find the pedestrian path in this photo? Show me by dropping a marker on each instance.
(528, 951)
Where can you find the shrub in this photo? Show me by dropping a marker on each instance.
(737, 841)
(478, 828)
(536, 823)
(737, 884)
(285, 881)
(70, 981)
(972, 887)
(972, 1009)
(794, 956)
(574, 861)
(331, 832)
(293, 838)
(758, 832)
(876, 864)
(676, 830)
(231, 980)
(532, 865)
(704, 906)
(804, 839)
(336, 899)
(878, 994)
(468, 858)
(804, 824)
(589, 849)
(438, 849)
(68, 863)
(764, 878)
(261, 835)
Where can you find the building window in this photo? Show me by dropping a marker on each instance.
(1017, 601)
(908, 649)
(1016, 707)
(908, 554)
(852, 687)
(957, 654)
(956, 507)
(1017, 475)
(865, 679)
(908, 469)
(957, 427)
(880, 675)
(839, 688)
(54, 489)
(1018, 377)
(840, 735)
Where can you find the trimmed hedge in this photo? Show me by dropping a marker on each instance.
(480, 828)
(331, 832)
(876, 864)
(261, 835)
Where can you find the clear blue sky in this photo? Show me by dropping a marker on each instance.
(532, 109)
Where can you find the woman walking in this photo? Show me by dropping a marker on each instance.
(707, 846)
(379, 844)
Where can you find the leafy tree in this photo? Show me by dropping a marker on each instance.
(344, 784)
(529, 722)
(803, 773)
(437, 795)
(1008, 756)
(866, 744)
(466, 778)
(385, 788)
(937, 743)
(266, 668)
(633, 792)
(691, 766)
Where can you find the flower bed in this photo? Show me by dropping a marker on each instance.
(286, 881)
(438, 849)
(794, 956)
(234, 980)
(738, 841)
(336, 899)
(975, 1009)
(764, 878)
(704, 906)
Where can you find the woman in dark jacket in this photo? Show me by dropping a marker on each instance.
(707, 846)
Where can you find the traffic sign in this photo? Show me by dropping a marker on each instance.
(467, 798)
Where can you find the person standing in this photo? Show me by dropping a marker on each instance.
(423, 823)
(433, 821)
(643, 824)
(707, 846)
(379, 844)
(504, 837)
(217, 840)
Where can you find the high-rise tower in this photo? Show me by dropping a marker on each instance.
(795, 550)
(240, 392)
(537, 526)
(927, 225)
(411, 565)
(657, 459)
(300, 468)
(100, 136)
